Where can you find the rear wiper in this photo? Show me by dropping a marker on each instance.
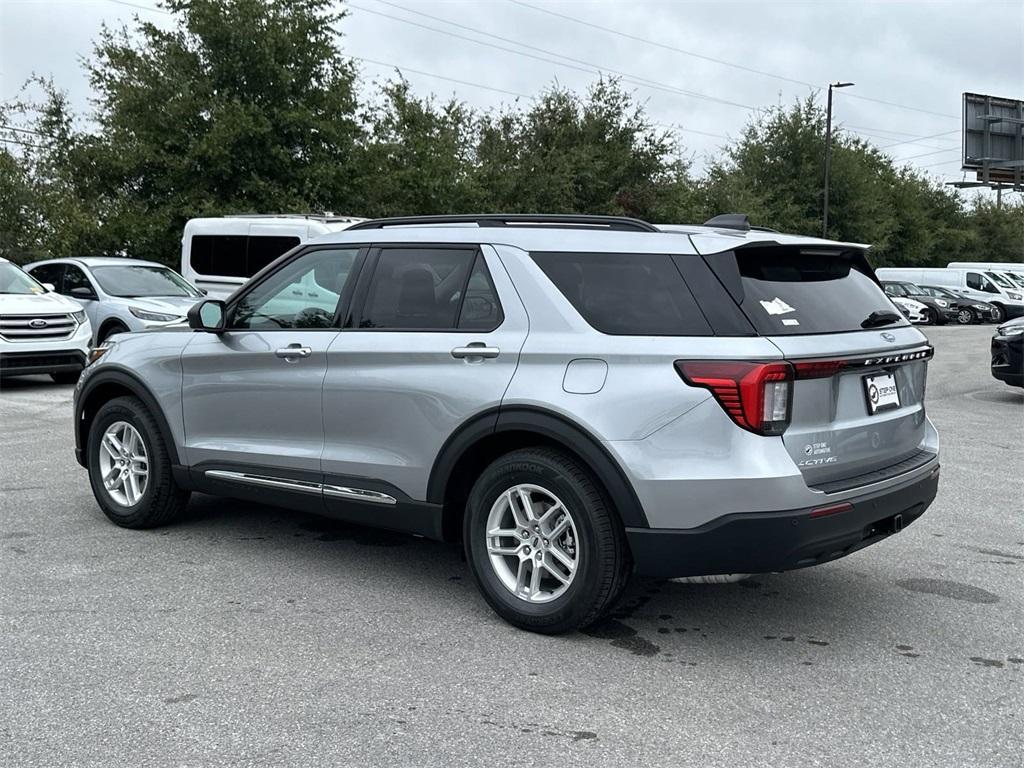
(883, 317)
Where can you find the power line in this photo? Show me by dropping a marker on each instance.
(21, 130)
(723, 62)
(22, 143)
(884, 130)
(927, 154)
(933, 136)
(656, 44)
(943, 162)
(442, 77)
(589, 67)
(863, 134)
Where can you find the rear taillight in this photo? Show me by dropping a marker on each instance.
(757, 396)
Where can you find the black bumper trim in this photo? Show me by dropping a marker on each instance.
(765, 542)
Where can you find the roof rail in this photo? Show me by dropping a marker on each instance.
(544, 220)
(737, 221)
(325, 216)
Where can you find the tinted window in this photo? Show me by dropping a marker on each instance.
(639, 294)
(789, 291)
(263, 250)
(140, 280)
(304, 294)
(219, 255)
(74, 277)
(418, 288)
(49, 273)
(481, 310)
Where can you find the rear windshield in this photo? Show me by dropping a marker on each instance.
(796, 291)
(640, 294)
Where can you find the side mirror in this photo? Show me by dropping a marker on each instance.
(50, 287)
(208, 315)
(81, 292)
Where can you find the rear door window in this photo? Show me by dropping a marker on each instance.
(790, 290)
(636, 294)
(418, 289)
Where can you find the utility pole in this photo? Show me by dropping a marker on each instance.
(828, 155)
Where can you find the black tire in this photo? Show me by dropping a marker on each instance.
(162, 501)
(603, 559)
(998, 313)
(109, 331)
(66, 377)
(966, 316)
(931, 317)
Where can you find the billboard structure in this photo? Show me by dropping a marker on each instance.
(993, 142)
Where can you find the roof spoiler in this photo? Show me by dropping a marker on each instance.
(737, 221)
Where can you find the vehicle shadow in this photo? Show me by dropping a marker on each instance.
(651, 617)
(29, 383)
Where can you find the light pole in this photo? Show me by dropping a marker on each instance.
(828, 154)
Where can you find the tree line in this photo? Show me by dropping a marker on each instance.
(252, 106)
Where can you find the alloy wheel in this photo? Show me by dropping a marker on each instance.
(124, 463)
(965, 317)
(532, 543)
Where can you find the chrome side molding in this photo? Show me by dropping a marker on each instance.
(359, 494)
(302, 486)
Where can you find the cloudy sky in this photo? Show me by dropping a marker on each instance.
(701, 66)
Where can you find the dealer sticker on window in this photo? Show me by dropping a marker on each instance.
(881, 392)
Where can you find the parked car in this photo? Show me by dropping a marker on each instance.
(987, 286)
(220, 254)
(40, 331)
(1008, 353)
(577, 398)
(967, 310)
(937, 311)
(913, 310)
(121, 295)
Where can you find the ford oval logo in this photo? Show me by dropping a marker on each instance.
(889, 337)
(37, 323)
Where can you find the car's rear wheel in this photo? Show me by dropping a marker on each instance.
(544, 546)
(964, 316)
(130, 467)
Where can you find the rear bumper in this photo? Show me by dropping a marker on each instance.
(763, 542)
(1008, 359)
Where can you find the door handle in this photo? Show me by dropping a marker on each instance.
(476, 349)
(293, 351)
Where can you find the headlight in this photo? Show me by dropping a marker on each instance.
(980, 306)
(79, 316)
(95, 353)
(942, 302)
(1014, 296)
(156, 317)
(1010, 330)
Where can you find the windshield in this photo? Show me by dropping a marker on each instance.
(14, 280)
(1015, 277)
(135, 280)
(913, 289)
(999, 280)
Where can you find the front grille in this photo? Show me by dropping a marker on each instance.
(37, 327)
(11, 362)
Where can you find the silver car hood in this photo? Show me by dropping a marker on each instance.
(172, 305)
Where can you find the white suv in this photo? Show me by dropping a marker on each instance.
(40, 331)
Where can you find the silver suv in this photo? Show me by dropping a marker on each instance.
(576, 398)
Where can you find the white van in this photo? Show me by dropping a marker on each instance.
(999, 290)
(220, 254)
(1012, 270)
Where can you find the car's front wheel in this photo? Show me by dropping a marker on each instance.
(130, 467)
(543, 544)
(998, 313)
(965, 316)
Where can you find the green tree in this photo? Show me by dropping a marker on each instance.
(246, 105)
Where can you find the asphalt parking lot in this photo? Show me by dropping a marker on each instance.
(250, 635)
